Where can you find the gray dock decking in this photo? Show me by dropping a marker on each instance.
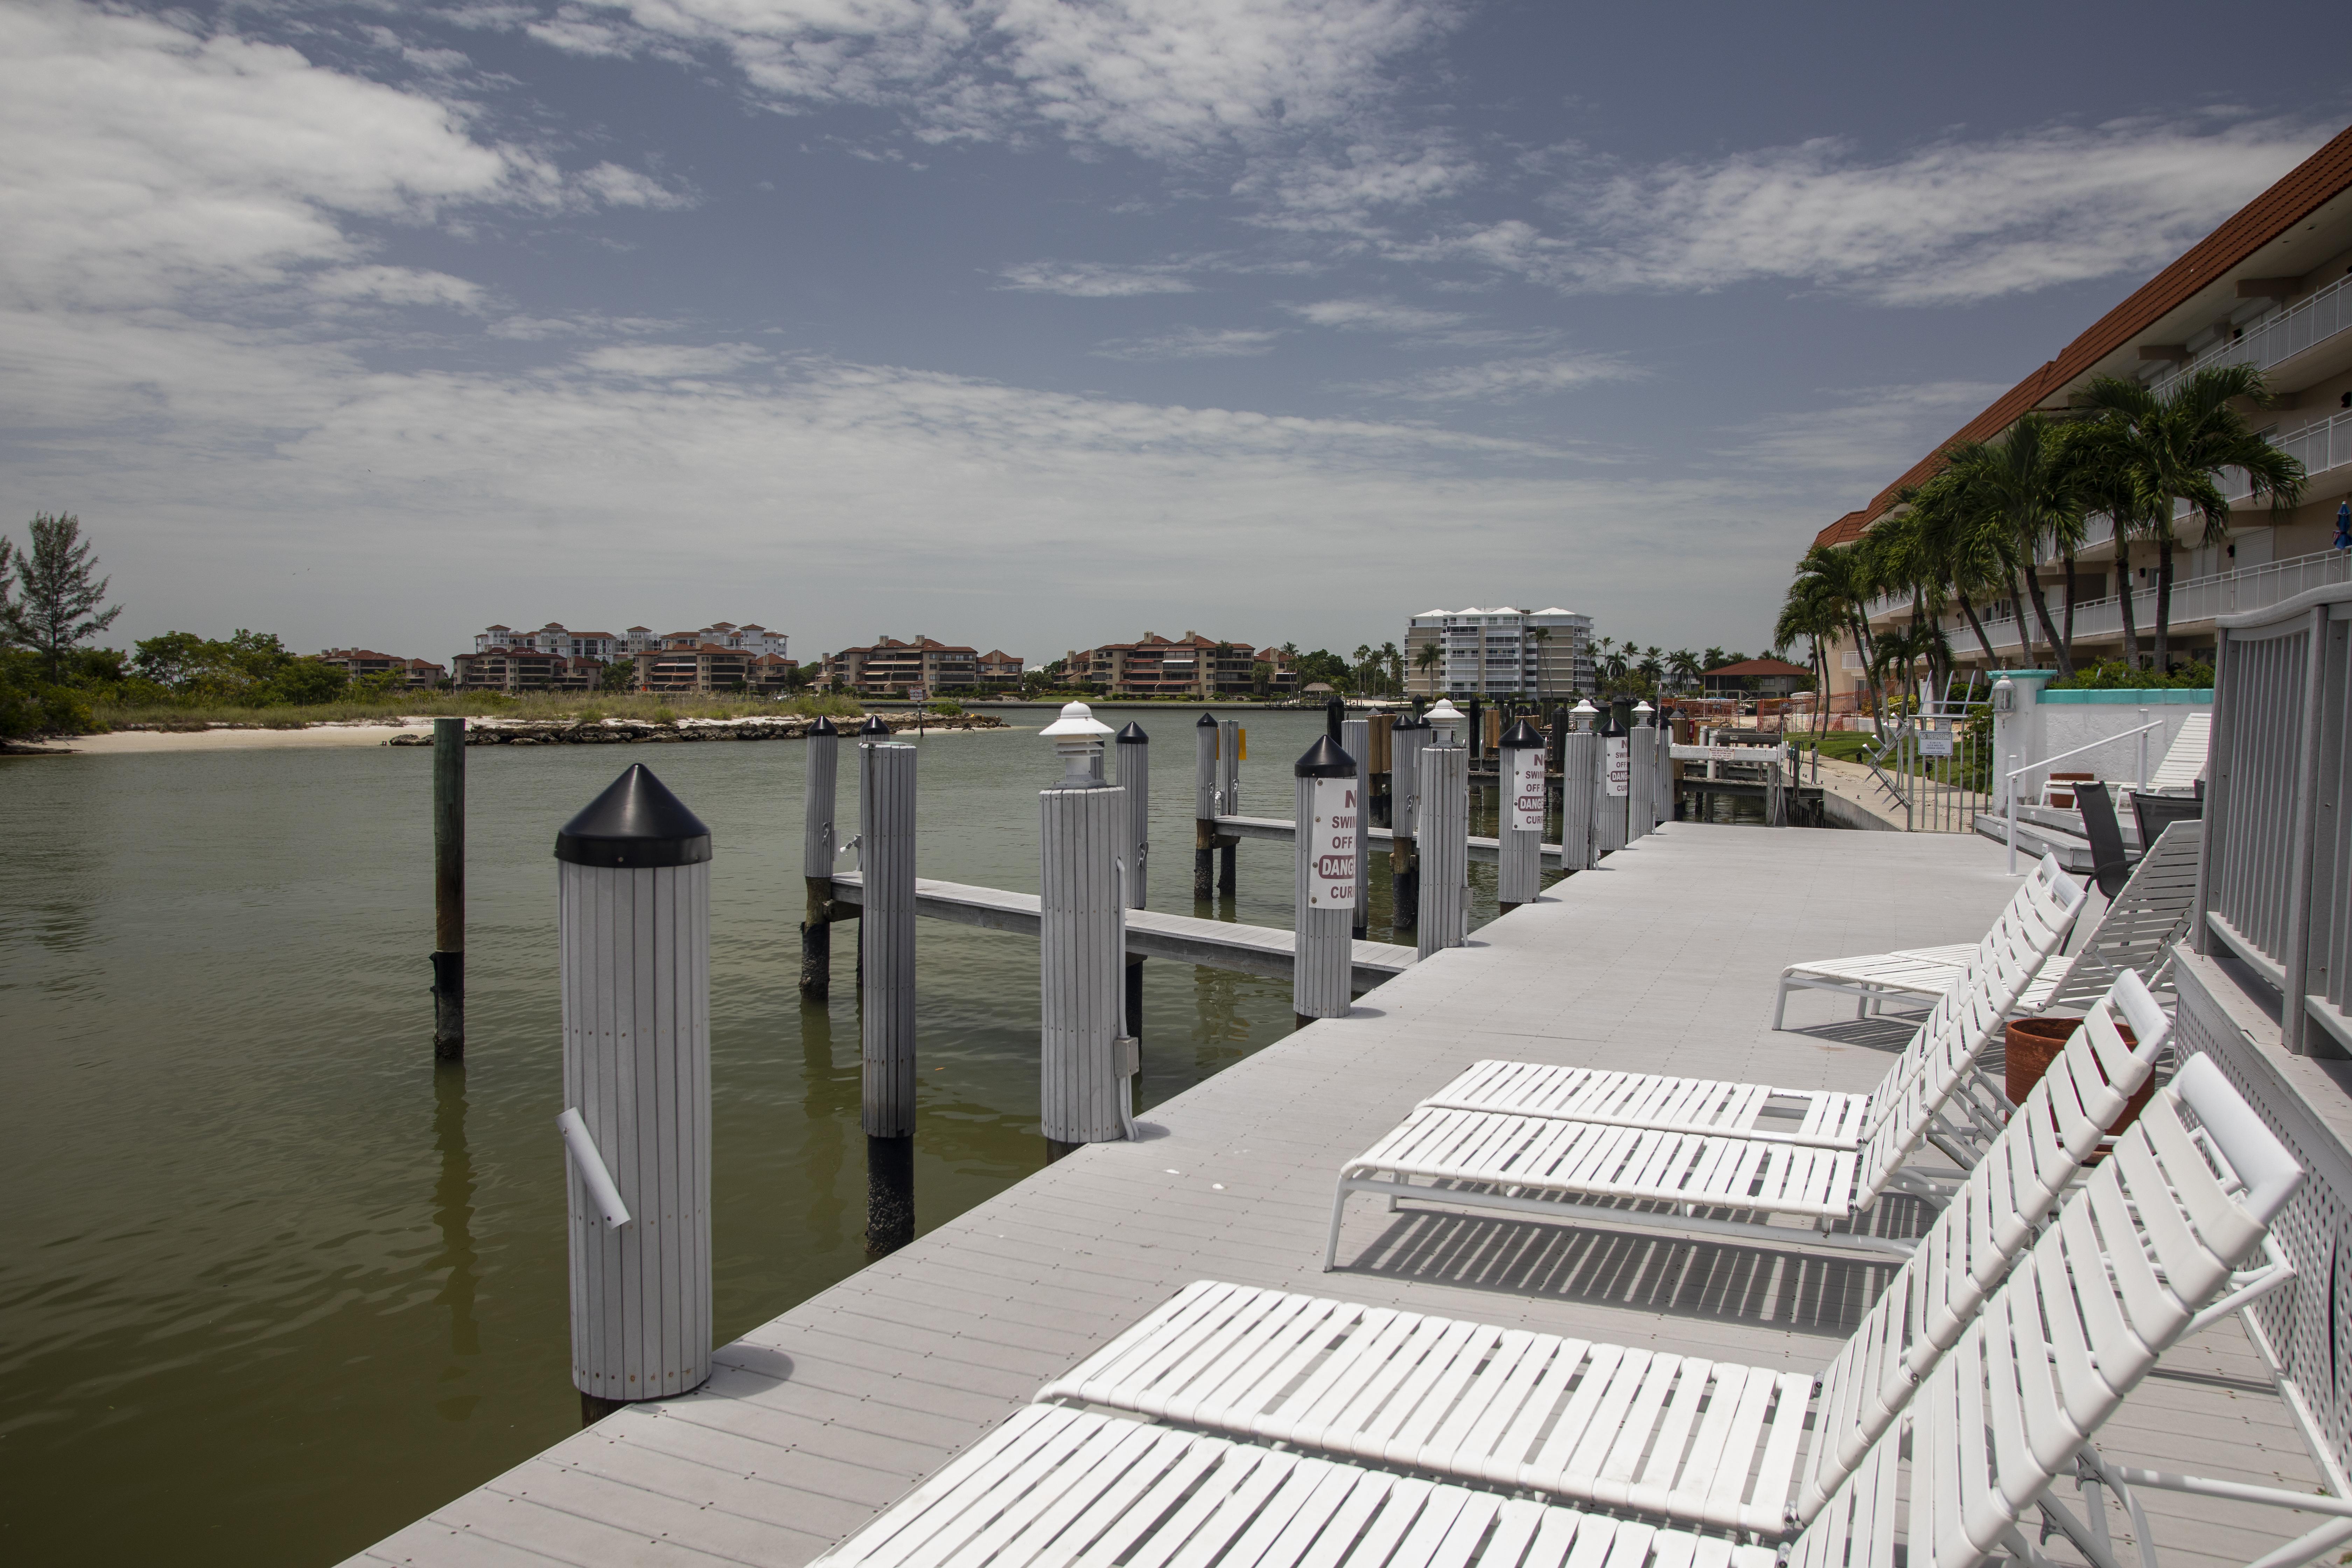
(1664, 959)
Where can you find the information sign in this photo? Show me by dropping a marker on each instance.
(1617, 763)
(1935, 742)
(1331, 867)
(1527, 792)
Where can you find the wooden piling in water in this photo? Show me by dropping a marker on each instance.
(1205, 806)
(634, 938)
(449, 888)
(1135, 780)
(886, 988)
(1327, 890)
(816, 860)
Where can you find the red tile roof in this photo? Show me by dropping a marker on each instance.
(2318, 179)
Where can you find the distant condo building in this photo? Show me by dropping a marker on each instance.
(1500, 652)
(359, 662)
(890, 666)
(516, 669)
(996, 664)
(1188, 666)
(554, 638)
(693, 661)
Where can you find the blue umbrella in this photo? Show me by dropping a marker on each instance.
(2344, 525)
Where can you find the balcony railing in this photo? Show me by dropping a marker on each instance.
(2318, 447)
(2282, 337)
(2197, 599)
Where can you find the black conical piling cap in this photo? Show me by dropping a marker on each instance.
(1205, 722)
(1133, 735)
(873, 725)
(635, 823)
(1324, 760)
(1522, 737)
(823, 726)
(1409, 721)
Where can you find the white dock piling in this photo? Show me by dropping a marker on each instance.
(1443, 841)
(1640, 775)
(886, 990)
(1579, 776)
(1087, 1060)
(1355, 739)
(1328, 851)
(1609, 802)
(633, 886)
(1522, 786)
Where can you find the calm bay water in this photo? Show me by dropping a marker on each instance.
(272, 1284)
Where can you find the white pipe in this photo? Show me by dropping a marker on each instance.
(607, 1197)
(2012, 776)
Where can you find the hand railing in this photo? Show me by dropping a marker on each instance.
(2008, 780)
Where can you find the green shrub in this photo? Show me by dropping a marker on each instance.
(946, 706)
(2115, 675)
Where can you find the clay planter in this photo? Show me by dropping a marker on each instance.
(2034, 1043)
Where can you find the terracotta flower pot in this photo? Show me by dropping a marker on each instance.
(2034, 1043)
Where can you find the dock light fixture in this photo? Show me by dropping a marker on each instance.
(1078, 737)
(1642, 712)
(1585, 713)
(1447, 717)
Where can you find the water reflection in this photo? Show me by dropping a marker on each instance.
(826, 1096)
(452, 1212)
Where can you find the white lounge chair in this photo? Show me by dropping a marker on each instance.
(1684, 1438)
(1976, 999)
(2184, 759)
(2135, 1259)
(2136, 932)
(1910, 974)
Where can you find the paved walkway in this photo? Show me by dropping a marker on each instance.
(1664, 960)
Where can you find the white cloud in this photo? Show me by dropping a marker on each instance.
(1871, 435)
(1167, 78)
(1951, 222)
(1374, 316)
(1093, 280)
(396, 286)
(1192, 342)
(1501, 380)
(620, 187)
(671, 361)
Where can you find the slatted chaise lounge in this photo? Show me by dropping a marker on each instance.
(1684, 1439)
(1916, 973)
(2136, 1255)
(1979, 996)
(2136, 931)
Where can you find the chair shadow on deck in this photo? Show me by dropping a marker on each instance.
(1888, 1032)
(1799, 1291)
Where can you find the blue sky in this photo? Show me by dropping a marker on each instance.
(1032, 324)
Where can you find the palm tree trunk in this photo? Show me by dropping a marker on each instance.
(2123, 591)
(2163, 598)
(2069, 559)
(2024, 623)
(2049, 628)
(1977, 627)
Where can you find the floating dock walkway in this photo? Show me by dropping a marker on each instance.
(1664, 960)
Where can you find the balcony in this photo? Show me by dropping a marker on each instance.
(2301, 326)
(2195, 602)
(2320, 449)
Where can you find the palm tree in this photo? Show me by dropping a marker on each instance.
(2025, 484)
(1652, 668)
(1684, 664)
(2171, 448)
(1393, 668)
(1810, 610)
(1963, 548)
(1428, 659)
(1835, 583)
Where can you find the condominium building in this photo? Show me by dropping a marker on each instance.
(996, 664)
(554, 638)
(686, 661)
(1188, 666)
(2271, 287)
(891, 666)
(1501, 652)
(513, 670)
(357, 662)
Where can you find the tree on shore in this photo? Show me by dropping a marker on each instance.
(55, 609)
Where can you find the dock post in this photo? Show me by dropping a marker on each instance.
(1476, 728)
(1382, 762)
(1327, 852)
(1523, 786)
(1580, 764)
(816, 860)
(1446, 724)
(1229, 798)
(1135, 778)
(1641, 773)
(1335, 714)
(1404, 791)
(1204, 807)
(886, 990)
(1087, 1062)
(633, 884)
(1442, 820)
(1610, 800)
(1355, 739)
(449, 890)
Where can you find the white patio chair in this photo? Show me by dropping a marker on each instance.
(1684, 1439)
(1909, 973)
(2132, 1265)
(2136, 931)
(1977, 995)
(2184, 759)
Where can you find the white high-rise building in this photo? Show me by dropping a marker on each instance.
(1501, 652)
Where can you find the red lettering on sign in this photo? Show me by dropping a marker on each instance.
(1331, 866)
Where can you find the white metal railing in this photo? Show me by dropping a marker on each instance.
(2318, 447)
(2193, 600)
(2307, 321)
